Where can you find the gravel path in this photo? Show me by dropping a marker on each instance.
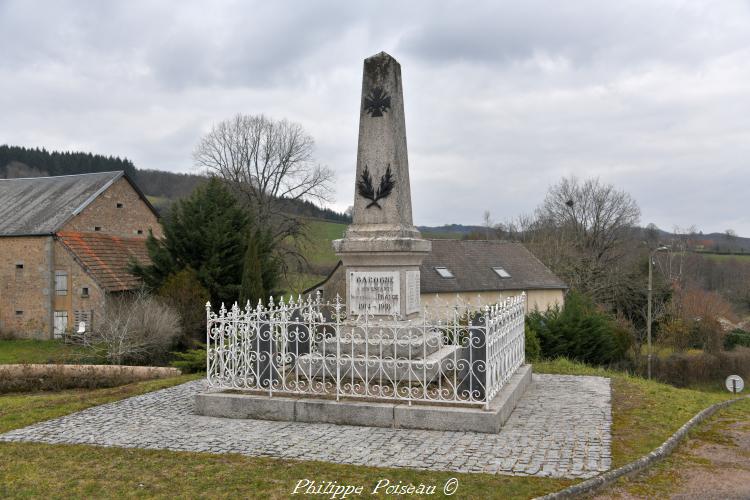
(560, 428)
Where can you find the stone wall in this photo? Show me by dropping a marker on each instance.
(87, 306)
(24, 291)
(118, 211)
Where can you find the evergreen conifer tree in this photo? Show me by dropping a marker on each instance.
(252, 275)
(206, 232)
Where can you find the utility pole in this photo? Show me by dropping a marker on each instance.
(650, 293)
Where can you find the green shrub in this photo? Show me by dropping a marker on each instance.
(184, 293)
(736, 337)
(579, 331)
(191, 361)
(684, 369)
(532, 344)
(58, 377)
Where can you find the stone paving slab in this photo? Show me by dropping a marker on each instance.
(560, 428)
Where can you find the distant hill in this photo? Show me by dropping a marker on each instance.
(18, 162)
(720, 243)
(162, 188)
(449, 231)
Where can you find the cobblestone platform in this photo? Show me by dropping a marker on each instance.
(560, 428)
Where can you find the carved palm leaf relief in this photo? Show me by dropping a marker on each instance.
(367, 191)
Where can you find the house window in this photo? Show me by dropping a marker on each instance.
(61, 323)
(19, 313)
(19, 266)
(85, 291)
(84, 317)
(444, 272)
(140, 231)
(119, 205)
(501, 272)
(97, 228)
(61, 283)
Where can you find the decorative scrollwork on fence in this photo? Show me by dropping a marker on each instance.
(455, 353)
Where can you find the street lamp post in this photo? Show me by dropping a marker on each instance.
(650, 289)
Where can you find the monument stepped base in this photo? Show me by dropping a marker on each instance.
(370, 414)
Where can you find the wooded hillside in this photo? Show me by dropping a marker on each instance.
(160, 186)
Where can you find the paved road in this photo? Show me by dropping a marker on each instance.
(560, 428)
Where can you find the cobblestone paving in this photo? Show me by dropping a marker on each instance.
(560, 428)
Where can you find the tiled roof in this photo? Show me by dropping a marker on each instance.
(471, 262)
(107, 258)
(41, 205)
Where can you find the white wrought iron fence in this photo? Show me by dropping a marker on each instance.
(458, 353)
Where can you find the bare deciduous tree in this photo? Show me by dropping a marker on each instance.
(135, 327)
(488, 224)
(267, 162)
(584, 232)
(596, 216)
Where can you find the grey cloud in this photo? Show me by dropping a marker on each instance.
(502, 98)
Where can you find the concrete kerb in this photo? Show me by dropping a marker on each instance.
(642, 463)
(372, 414)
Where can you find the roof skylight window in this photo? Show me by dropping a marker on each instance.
(501, 272)
(444, 272)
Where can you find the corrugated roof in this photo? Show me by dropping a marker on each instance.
(41, 205)
(472, 261)
(107, 258)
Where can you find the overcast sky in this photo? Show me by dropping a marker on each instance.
(502, 98)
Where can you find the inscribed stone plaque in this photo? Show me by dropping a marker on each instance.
(374, 292)
(412, 292)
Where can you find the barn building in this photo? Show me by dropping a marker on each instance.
(65, 243)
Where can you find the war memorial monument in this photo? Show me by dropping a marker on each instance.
(283, 376)
(375, 357)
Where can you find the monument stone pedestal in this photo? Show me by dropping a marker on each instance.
(384, 363)
(382, 250)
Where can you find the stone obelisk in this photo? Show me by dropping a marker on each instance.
(382, 250)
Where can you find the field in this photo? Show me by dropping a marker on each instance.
(318, 251)
(726, 256)
(644, 415)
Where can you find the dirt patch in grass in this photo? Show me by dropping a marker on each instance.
(714, 462)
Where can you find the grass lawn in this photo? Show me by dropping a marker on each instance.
(645, 414)
(696, 462)
(42, 351)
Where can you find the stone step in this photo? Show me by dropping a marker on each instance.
(411, 346)
(377, 370)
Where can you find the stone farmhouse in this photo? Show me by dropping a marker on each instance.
(475, 271)
(65, 243)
